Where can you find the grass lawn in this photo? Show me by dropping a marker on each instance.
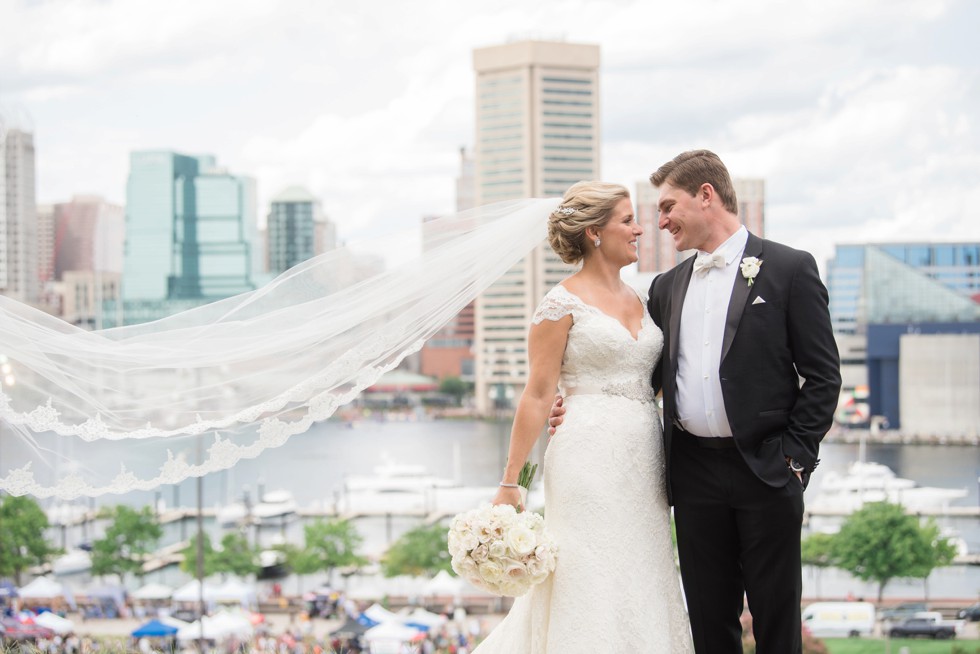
(915, 646)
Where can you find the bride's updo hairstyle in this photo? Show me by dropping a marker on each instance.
(586, 204)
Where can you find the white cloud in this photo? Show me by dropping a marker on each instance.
(859, 115)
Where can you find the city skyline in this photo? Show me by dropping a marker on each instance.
(860, 118)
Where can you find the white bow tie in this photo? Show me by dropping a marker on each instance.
(705, 262)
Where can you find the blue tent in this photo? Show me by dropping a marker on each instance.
(155, 628)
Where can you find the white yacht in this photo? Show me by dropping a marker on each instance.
(866, 482)
(393, 477)
(274, 504)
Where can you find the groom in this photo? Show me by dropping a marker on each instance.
(750, 377)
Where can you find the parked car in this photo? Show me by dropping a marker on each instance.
(971, 613)
(929, 624)
(901, 611)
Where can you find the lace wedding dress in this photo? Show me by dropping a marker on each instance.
(616, 586)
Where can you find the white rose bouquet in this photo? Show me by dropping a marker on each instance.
(500, 550)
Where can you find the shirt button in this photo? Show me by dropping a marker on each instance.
(705, 376)
(706, 343)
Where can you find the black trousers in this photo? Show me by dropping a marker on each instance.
(737, 538)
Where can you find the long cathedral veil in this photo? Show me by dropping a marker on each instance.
(117, 410)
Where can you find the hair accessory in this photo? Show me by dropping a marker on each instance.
(565, 211)
(597, 241)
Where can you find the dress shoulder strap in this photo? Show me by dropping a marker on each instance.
(555, 305)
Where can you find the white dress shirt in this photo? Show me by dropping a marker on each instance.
(700, 404)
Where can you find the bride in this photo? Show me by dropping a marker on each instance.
(615, 587)
(134, 407)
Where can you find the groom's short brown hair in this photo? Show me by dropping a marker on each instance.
(689, 170)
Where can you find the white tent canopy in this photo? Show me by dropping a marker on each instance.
(218, 627)
(193, 631)
(42, 588)
(235, 592)
(424, 618)
(391, 631)
(443, 584)
(233, 624)
(55, 623)
(378, 613)
(173, 622)
(153, 592)
(191, 592)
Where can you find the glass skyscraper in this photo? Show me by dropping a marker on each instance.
(190, 230)
(297, 229)
(903, 282)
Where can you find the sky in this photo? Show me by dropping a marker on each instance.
(861, 115)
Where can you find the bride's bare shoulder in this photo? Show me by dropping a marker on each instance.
(577, 286)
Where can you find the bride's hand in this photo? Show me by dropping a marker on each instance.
(557, 415)
(510, 496)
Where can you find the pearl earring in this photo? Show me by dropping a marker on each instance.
(597, 241)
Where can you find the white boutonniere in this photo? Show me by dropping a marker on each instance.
(750, 268)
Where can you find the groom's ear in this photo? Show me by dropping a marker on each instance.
(706, 193)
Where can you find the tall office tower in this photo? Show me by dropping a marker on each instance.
(751, 194)
(45, 245)
(296, 229)
(656, 248)
(89, 235)
(537, 133)
(190, 229)
(466, 181)
(18, 218)
(449, 353)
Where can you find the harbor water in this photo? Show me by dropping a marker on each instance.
(313, 467)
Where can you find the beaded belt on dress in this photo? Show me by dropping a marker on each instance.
(637, 390)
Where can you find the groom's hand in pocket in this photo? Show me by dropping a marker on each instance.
(557, 415)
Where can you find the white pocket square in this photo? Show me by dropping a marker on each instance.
(758, 300)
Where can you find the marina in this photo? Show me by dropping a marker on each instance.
(388, 477)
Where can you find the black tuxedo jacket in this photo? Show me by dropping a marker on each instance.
(767, 348)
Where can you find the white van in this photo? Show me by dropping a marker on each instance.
(829, 619)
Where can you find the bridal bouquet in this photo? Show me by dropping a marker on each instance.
(500, 550)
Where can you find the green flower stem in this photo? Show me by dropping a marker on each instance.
(526, 476)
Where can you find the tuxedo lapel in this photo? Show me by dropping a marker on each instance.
(681, 281)
(740, 294)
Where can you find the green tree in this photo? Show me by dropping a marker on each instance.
(455, 388)
(236, 556)
(333, 544)
(22, 544)
(129, 540)
(189, 563)
(421, 551)
(300, 561)
(880, 543)
(816, 551)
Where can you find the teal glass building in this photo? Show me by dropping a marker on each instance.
(903, 282)
(190, 233)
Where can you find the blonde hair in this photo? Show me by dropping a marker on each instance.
(585, 204)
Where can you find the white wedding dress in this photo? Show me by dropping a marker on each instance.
(616, 587)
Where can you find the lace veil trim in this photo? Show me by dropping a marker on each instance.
(134, 407)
